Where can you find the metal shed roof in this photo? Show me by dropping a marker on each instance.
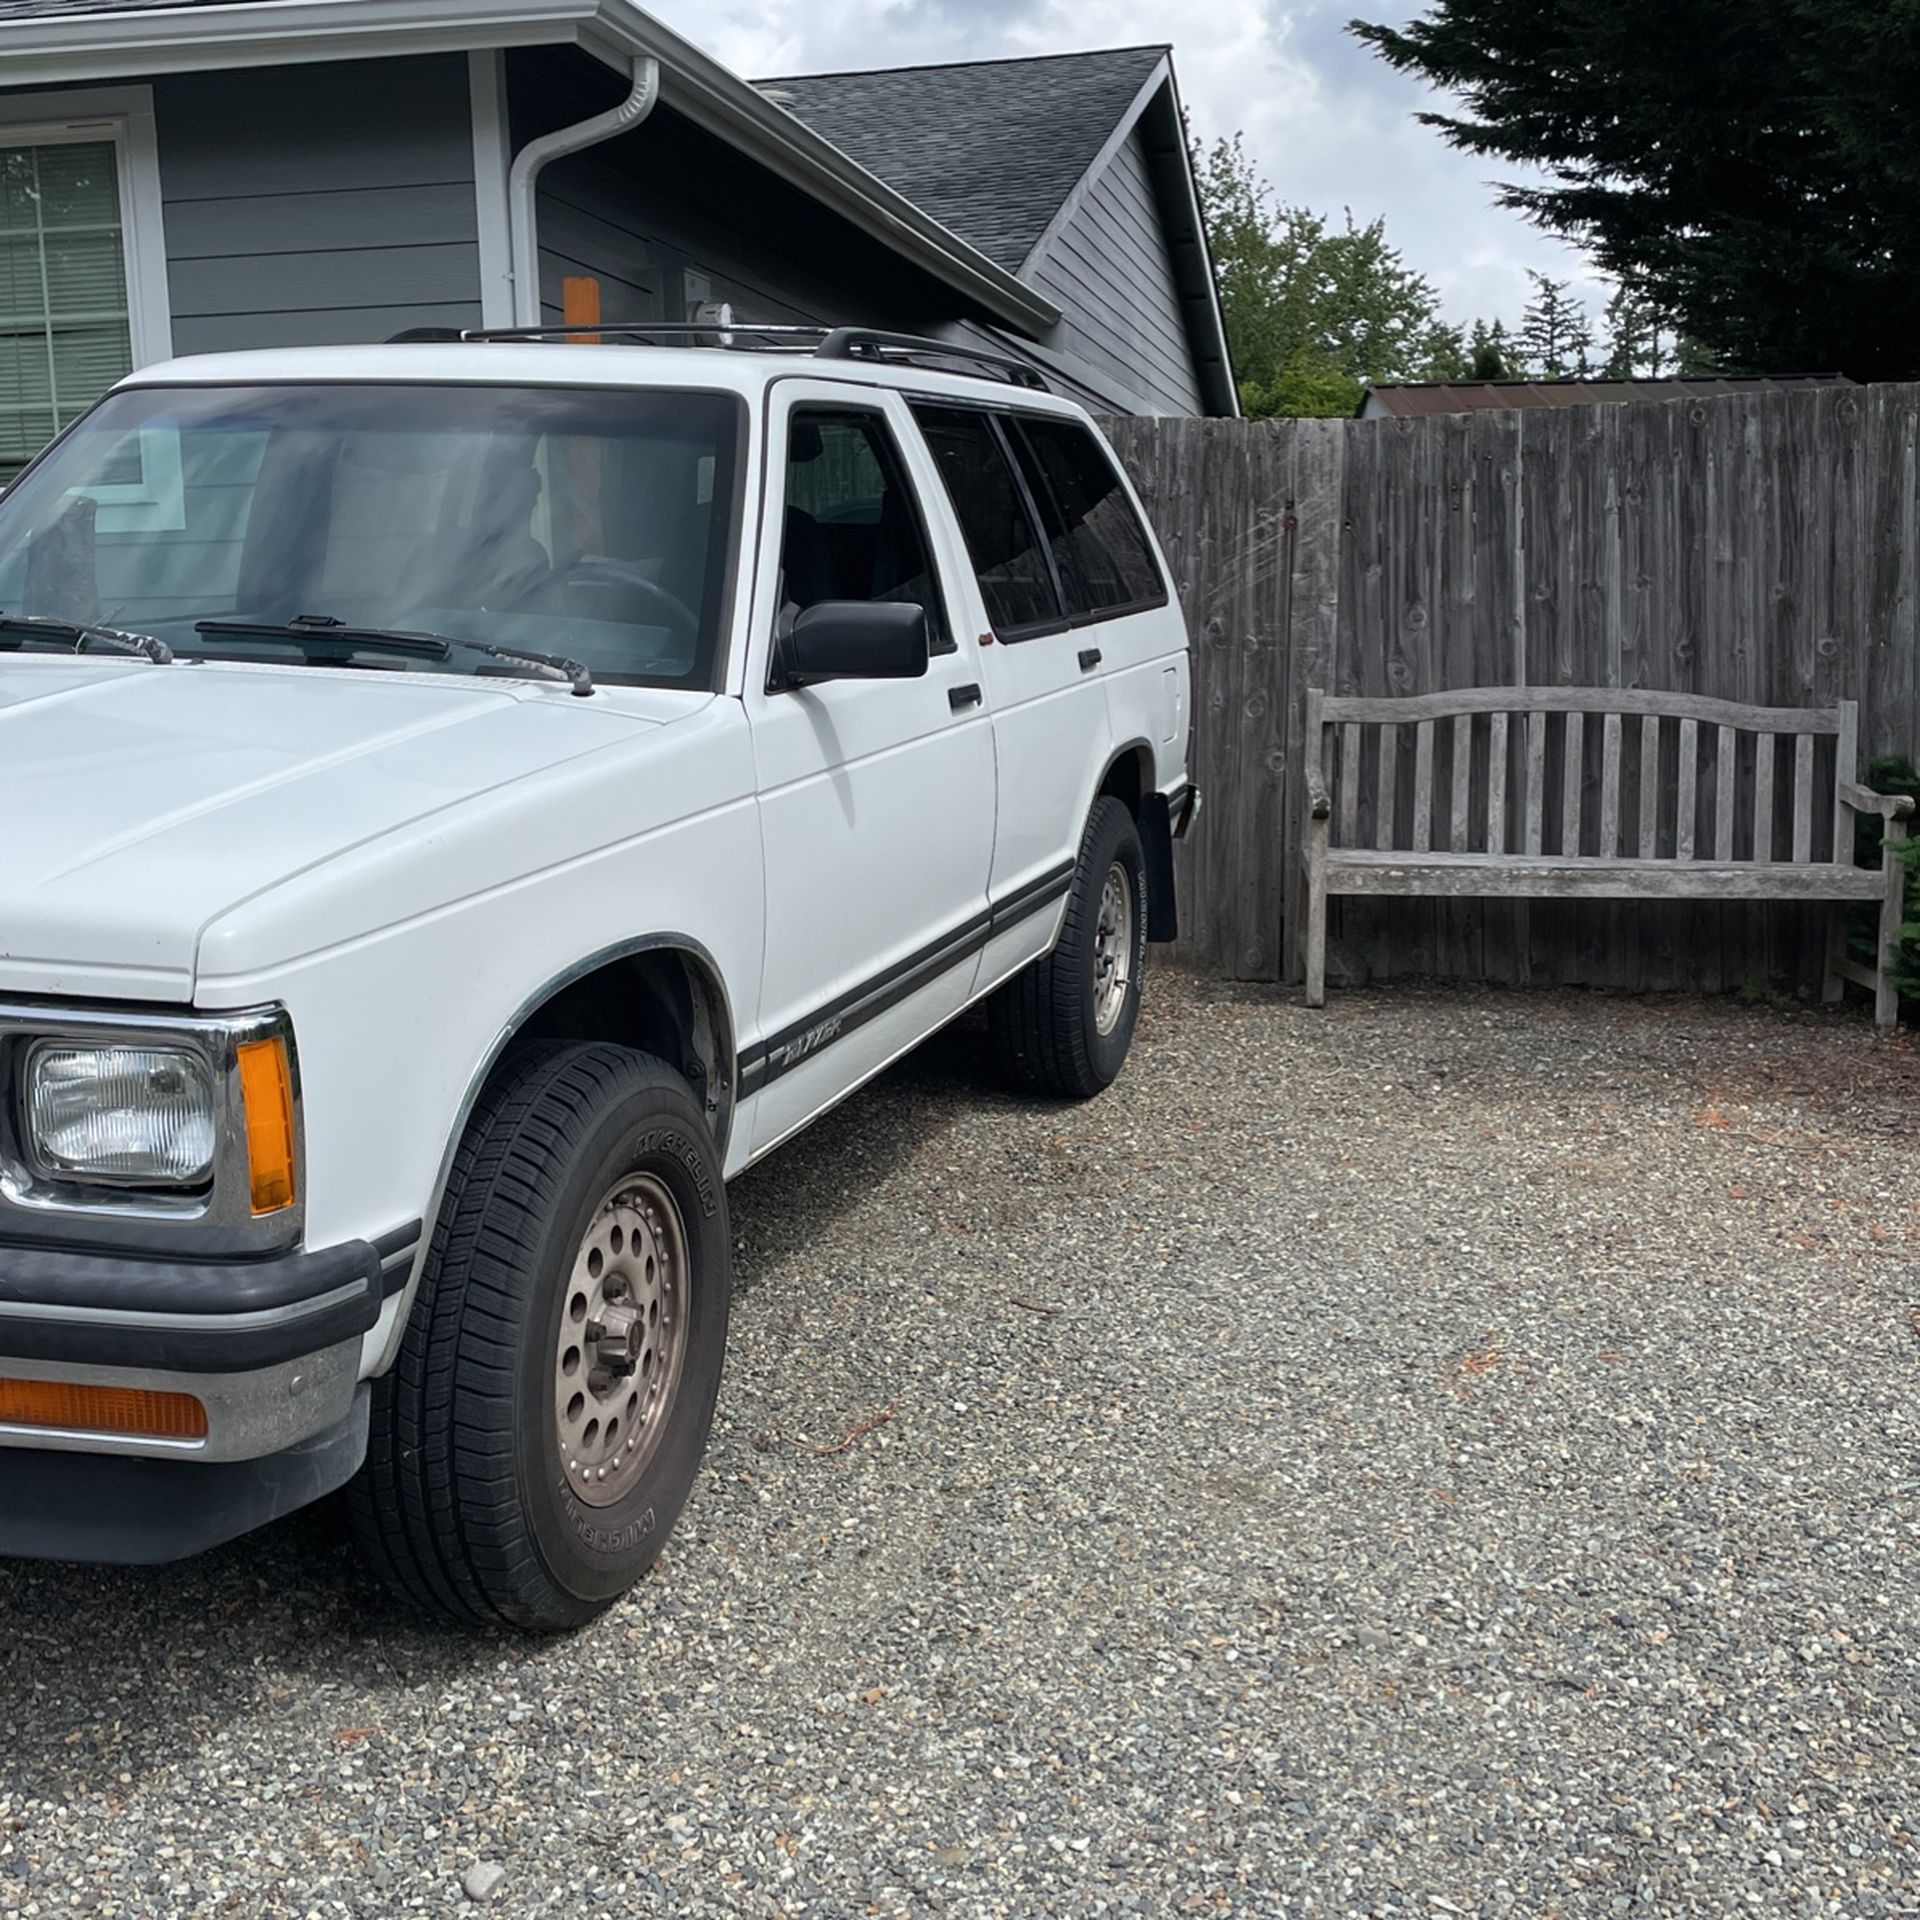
(1409, 399)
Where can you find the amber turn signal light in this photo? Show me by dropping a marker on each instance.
(79, 1409)
(266, 1088)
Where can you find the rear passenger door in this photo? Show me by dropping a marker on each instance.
(1013, 493)
(1118, 595)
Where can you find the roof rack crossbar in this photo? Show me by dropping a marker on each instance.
(822, 343)
(670, 332)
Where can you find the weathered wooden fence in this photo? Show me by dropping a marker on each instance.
(1759, 547)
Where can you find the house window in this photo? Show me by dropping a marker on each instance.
(82, 264)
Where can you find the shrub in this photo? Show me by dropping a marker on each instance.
(1893, 773)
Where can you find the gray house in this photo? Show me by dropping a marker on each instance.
(183, 176)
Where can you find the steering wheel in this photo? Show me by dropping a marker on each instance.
(600, 570)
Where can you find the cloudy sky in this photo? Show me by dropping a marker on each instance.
(1329, 124)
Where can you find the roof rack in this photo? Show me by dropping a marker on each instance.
(819, 343)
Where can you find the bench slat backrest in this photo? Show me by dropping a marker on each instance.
(1582, 772)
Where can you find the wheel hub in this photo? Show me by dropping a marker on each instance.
(622, 1338)
(618, 1339)
(1113, 949)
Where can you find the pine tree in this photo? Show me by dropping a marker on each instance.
(1747, 165)
(1555, 337)
(1639, 343)
(1489, 352)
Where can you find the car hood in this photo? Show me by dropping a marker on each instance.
(139, 803)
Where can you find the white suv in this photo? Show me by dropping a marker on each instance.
(463, 803)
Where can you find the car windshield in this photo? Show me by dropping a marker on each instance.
(589, 523)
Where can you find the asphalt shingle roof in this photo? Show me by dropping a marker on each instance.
(990, 149)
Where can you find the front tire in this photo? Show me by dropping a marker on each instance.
(1064, 1025)
(540, 1431)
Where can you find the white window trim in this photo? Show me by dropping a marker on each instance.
(492, 161)
(123, 115)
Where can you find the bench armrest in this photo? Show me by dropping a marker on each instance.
(1319, 800)
(1889, 806)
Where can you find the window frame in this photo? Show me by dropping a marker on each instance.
(943, 637)
(996, 418)
(122, 117)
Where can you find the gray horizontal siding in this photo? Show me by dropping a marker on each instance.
(318, 205)
(238, 226)
(593, 222)
(668, 204)
(1072, 379)
(1109, 271)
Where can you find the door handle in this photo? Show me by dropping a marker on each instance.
(967, 696)
(1089, 659)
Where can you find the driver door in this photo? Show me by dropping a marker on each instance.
(876, 797)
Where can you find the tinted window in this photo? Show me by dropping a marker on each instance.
(1106, 561)
(853, 528)
(1015, 579)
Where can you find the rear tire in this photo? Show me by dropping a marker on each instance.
(539, 1434)
(1064, 1025)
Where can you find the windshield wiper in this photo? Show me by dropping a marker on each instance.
(85, 637)
(324, 628)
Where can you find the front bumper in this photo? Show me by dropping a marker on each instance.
(183, 1316)
(140, 1512)
(271, 1348)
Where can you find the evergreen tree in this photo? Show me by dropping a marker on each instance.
(1640, 339)
(1747, 165)
(1555, 336)
(1489, 353)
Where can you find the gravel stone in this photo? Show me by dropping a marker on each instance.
(483, 1880)
(1450, 1453)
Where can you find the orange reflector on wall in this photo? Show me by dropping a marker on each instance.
(78, 1409)
(266, 1086)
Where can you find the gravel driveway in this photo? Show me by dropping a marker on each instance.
(1452, 1453)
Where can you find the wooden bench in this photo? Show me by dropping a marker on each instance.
(1594, 793)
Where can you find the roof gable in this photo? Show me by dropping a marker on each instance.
(991, 149)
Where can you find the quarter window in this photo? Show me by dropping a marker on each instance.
(853, 528)
(1008, 555)
(1105, 558)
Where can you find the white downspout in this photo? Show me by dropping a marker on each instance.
(523, 181)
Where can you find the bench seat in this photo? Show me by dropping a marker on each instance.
(1595, 793)
(1555, 877)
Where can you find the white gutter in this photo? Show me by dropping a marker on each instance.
(63, 48)
(522, 197)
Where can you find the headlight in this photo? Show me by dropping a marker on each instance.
(139, 1115)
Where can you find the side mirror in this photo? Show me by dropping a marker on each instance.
(853, 640)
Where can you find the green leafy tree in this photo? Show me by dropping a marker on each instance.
(1749, 166)
(1894, 773)
(1313, 310)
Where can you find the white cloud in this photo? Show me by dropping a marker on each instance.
(1329, 124)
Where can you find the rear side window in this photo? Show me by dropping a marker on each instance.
(1105, 558)
(1008, 555)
